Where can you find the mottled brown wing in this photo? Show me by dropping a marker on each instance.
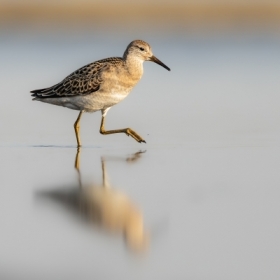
(83, 81)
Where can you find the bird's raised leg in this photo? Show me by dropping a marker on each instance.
(127, 131)
(77, 129)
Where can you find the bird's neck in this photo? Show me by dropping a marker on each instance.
(134, 66)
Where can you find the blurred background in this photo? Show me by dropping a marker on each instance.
(179, 15)
(207, 187)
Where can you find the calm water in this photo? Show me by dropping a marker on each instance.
(205, 187)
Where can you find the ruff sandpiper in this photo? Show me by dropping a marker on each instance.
(100, 85)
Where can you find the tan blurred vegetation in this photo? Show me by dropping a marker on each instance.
(73, 14)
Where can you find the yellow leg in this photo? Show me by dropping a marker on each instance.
(127, 131)
(77, 129)
(77, 166)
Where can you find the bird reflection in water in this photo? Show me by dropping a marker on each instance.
(106, 207)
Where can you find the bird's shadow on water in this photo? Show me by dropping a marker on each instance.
(49, 146)
(107, 208)
(15, 145)
(62, 146)
(52, 146)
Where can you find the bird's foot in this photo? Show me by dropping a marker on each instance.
(133, 134)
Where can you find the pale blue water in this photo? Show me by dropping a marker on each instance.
(207, 185)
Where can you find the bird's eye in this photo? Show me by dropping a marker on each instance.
(141, 49)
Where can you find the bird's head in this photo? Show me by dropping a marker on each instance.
(143, 51)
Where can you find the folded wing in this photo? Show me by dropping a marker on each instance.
(84, 81)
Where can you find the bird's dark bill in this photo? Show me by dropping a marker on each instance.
(154, 59)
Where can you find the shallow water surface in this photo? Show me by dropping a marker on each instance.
(200, 200)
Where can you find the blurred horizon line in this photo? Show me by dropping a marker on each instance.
(191, 15)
